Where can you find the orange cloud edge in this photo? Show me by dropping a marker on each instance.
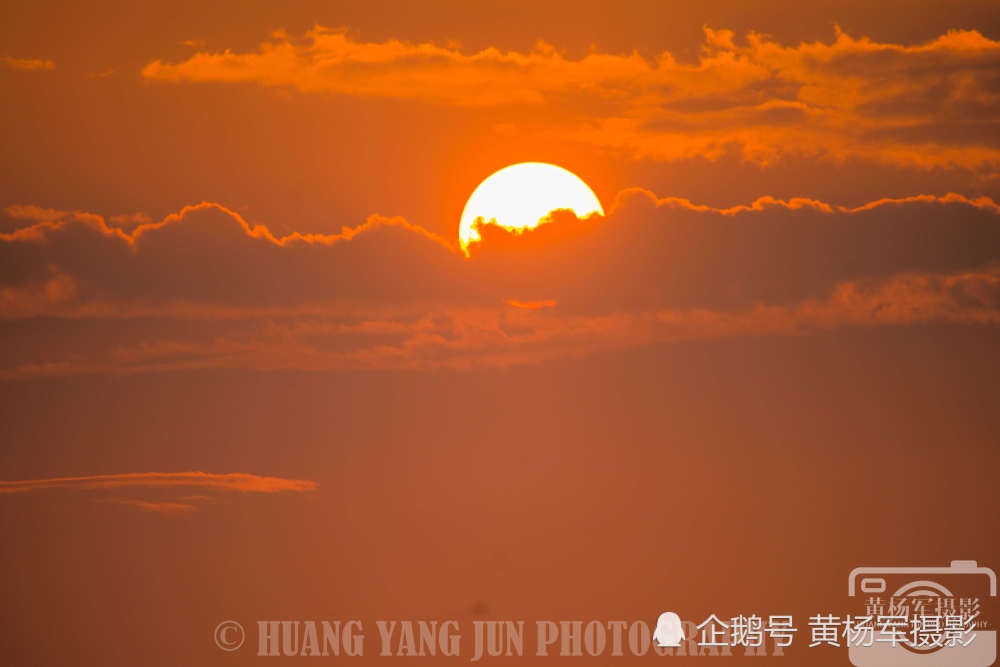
(523, 331)
(530, 305)
(47, 219)
(661, 108)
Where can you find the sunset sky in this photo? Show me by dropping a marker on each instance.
(249, 370)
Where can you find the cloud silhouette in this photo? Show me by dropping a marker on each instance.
(204, 289)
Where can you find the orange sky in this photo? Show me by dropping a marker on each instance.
(249, 373)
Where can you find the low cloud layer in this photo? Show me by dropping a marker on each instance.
(926, 105)
(205, 289)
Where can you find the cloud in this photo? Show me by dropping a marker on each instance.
(204, 289)
(206, 261)
(127, 219)
(925, 105)
(227, 261)
(530, 305)
(241, 482)
(51, 220)
(26, 63)
(651, 253)
(153, 506)
(332, 61)
(493, 338)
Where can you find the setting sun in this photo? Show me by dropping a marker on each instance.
(521, 195)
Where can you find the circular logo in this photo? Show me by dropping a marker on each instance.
(229, 635)
(927, 592)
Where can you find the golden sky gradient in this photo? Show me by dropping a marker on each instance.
(249, 371)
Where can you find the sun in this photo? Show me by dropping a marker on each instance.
(521, 195)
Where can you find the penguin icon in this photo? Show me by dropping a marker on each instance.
(668, 631)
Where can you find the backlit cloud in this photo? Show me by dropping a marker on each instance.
(925, 105)
(205, 289)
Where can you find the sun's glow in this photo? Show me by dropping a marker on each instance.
(521, 195)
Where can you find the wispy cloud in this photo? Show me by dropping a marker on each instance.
(153, 506)
(242, 482)
(26, 63)
(530, 305)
